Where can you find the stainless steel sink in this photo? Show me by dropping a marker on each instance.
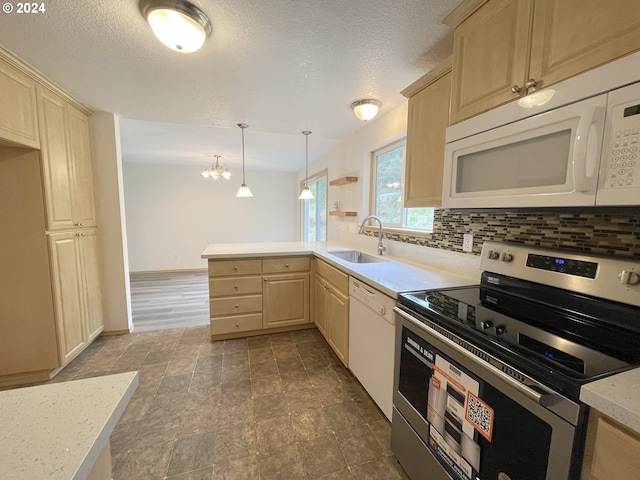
(354, 256)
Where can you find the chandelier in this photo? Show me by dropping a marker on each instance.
(216, 170)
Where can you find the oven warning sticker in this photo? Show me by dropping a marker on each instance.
(480, 415)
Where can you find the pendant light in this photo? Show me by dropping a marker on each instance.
(178, 24)
(243, 191)
(306, 193)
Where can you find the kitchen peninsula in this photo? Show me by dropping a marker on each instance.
(61, 431)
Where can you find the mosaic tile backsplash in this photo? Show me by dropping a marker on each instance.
(588, 230)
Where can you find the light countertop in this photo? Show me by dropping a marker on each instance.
(391, 277)
(57, 431)
(617, 396)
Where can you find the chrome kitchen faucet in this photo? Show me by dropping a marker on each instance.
(381, 248)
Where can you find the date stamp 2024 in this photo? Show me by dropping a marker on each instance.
(24, 7)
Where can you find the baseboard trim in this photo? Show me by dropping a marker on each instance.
(253, 333)
(25, 378)
(185, 270)
(113, 333)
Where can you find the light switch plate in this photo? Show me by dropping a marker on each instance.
(467, 242)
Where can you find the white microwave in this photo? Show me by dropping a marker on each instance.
(584, 153)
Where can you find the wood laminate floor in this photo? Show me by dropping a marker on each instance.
(169, 300)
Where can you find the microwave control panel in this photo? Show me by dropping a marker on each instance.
(624, 147)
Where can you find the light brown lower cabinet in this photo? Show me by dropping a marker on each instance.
(250, 296)
(285, 300)
(76, 290)
(612, 450)
(331, 289)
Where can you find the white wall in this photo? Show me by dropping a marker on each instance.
(173, 213)
(352, 158)
(112, 234)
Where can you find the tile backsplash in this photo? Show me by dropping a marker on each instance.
(588, 230)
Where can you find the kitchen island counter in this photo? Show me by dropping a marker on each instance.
(617, 396)
(61, 431)
(393, 276)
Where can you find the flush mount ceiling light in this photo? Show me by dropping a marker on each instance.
(306, 194)
(216, 170)
(178, 24)
(243, 191)
(366, 109)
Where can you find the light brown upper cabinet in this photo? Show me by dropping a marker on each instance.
(18, 118)
(503, 48)
(66, 163)
(427, 121)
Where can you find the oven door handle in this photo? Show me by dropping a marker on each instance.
(543, 399)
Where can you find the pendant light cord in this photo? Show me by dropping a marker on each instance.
(306, 133)
(242, 127)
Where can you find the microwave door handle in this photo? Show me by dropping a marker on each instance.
(585, 156)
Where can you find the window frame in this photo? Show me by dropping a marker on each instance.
(311, 179)
(393, 227)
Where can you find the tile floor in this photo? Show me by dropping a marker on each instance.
(277, 406)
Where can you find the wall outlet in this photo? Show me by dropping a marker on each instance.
(467, 242)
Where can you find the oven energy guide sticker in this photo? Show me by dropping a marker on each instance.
(456, 414)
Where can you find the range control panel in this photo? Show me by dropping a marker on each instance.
(613, 278)
(569, 266)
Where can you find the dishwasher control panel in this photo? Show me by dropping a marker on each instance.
(377, 301)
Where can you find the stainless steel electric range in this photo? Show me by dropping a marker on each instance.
(488, 378)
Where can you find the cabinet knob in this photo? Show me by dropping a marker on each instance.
(235, 269)
(237, 325)
(237, 306)
(516, 89)
(235, 286)
(531, 83)
(286, 265)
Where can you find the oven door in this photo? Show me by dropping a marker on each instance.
(457, 417)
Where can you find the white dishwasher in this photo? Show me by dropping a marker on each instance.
(372, 341)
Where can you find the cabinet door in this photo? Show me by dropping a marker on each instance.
(573, 36)
(490, 55)
(18, 116)
(90, 271)
(320, 299)
(65, 273)
(285, 300)
(79, 143)
(428, 119)
(612, 451)
(338, 323)
(56, 166)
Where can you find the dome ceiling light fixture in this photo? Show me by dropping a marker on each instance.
(243, 191)
(306, 194)
(179, 24)
(216, 170)
(366, 108)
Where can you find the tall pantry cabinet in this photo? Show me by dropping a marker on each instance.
(50, 301)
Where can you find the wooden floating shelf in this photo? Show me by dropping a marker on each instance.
(343, 181)
(336, 213)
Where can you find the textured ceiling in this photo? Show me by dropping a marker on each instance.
(281, 66)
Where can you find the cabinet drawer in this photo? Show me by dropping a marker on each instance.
(221, 307)
(220, 287)
(239, 323)
(225, 268)
(333, 275)
(285, 265)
